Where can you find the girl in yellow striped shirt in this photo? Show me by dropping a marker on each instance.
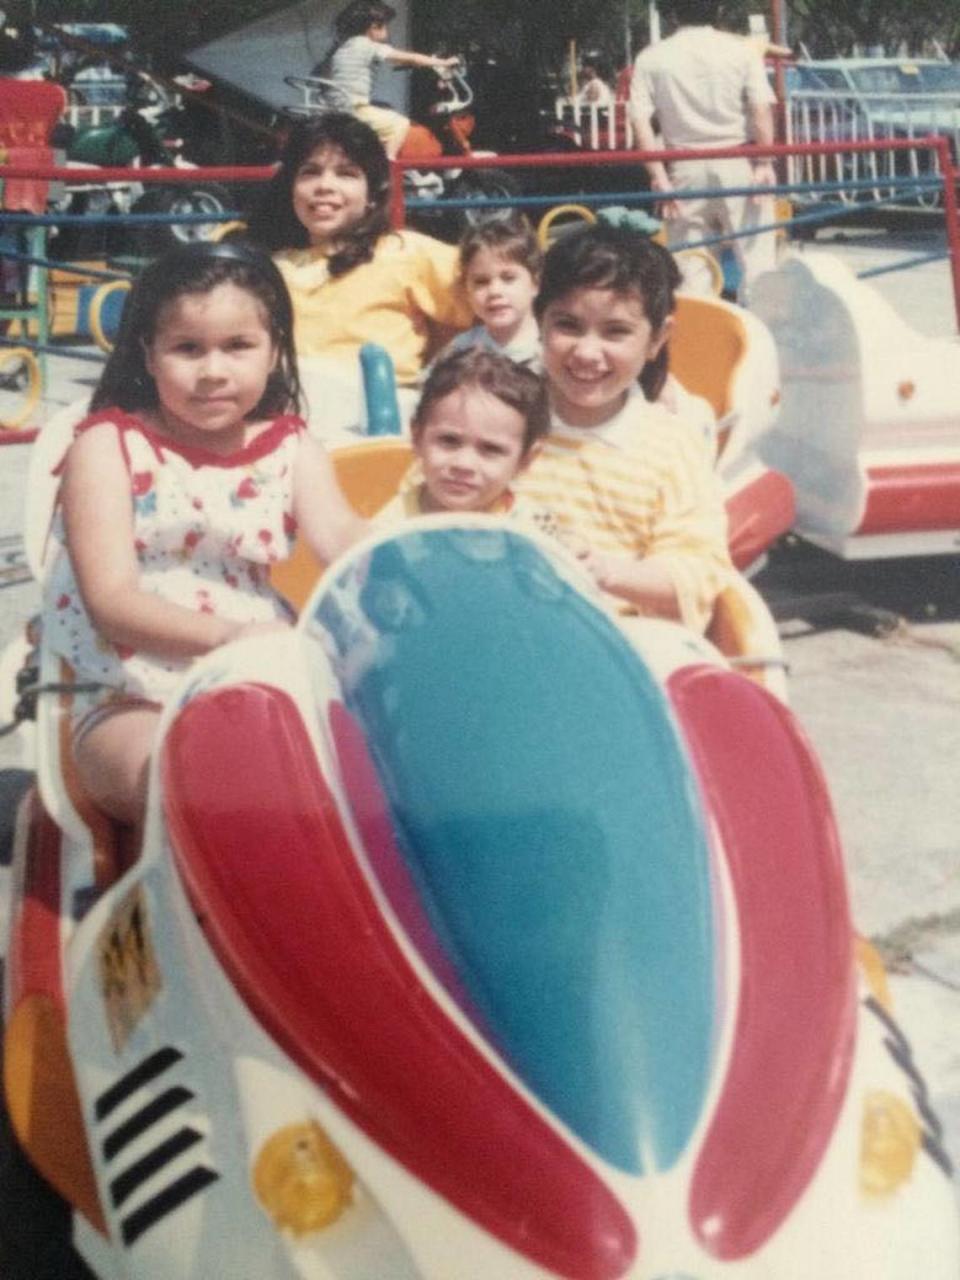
(631, 484)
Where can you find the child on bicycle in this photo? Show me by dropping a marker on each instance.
(361, 44)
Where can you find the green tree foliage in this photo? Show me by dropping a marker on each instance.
(536, 33)
(832, 29)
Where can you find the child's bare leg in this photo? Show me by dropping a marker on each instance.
(113, 758)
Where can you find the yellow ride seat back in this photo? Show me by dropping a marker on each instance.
(707, 346)
(369, 474)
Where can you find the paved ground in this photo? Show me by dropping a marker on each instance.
(876, 686)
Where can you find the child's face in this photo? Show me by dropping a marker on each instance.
(500, 291)
(210, 358)
(330, 193)
(595, 345)
(379, 32)
(470, 447)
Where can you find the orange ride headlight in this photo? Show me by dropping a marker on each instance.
(889, 1142)
(302, 1180)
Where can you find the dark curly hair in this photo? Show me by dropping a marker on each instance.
(274, 224)
(511, 237)
(624, 261)
(498, 375)
(360, 15)
(197, 269)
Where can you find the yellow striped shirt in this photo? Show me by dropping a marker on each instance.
(640, 485)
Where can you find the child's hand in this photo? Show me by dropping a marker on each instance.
(601, 567)
(573, 543)
(594, 562)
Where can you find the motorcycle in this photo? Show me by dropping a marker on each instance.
(445, 130)
(143, 134)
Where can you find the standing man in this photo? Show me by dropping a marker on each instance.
(707, 88)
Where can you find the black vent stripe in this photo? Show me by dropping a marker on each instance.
(127, 1182)
(140, 1075)
(143, 1119)
(150, 1213)
(937, 1154)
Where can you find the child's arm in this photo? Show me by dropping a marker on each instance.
(686, 560)
(408, 58)
(649, 585)
(99, 526)
(326, 521)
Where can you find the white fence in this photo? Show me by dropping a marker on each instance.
(83, 116)
(593, 127)
(817, 116)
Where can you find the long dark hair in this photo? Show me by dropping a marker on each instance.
(274, 224)
(624, 261)
(197, 269)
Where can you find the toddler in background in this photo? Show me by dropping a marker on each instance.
(500, 264)
(478, 425)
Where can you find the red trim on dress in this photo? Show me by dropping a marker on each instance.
(260, 446)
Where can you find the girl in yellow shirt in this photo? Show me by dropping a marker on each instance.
(631, 484)
(351, 278)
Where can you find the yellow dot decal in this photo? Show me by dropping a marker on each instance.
(889, 1142)
(302, 1180)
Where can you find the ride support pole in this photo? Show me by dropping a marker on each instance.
(398, 210)
(949, 173)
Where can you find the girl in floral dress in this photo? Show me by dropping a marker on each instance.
(188, 479)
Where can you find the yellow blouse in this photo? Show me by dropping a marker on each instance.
(410, 288)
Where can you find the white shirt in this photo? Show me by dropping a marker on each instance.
(699, 83)
(351, 67)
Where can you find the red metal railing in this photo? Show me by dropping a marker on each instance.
(948, 175)
(544, 160)
(935, 143)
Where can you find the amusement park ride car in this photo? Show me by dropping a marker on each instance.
(475, 932)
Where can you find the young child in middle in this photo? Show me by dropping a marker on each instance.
(630, 484)
(500, 262)
(478, 425)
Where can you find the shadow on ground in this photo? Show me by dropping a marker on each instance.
(873, 597)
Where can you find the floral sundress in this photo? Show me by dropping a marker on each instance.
(206, 529)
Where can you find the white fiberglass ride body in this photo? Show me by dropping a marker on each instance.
(475, 933)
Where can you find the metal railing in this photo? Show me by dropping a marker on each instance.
(818, 116)
(936, 182)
